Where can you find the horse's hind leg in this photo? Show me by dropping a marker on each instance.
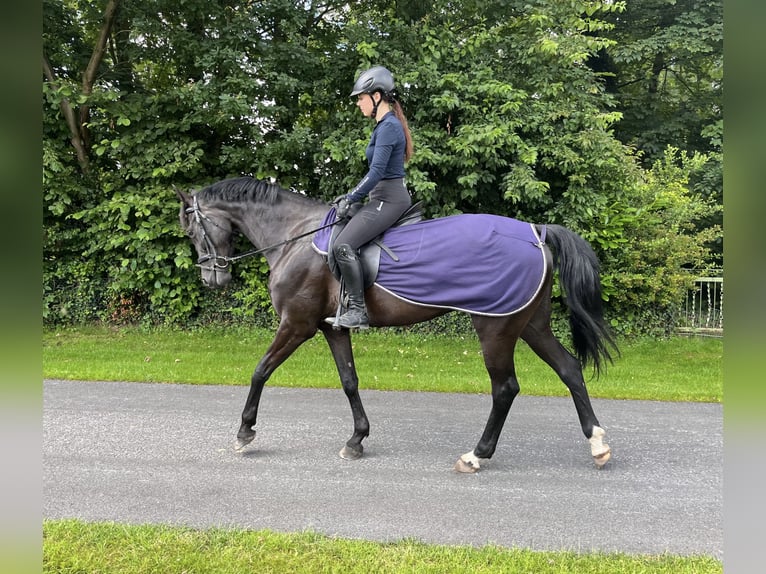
(498, 340)
(543, 342)
(340, 345)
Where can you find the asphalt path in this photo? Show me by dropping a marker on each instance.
(141, 453)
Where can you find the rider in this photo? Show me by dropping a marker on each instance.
(389, 148)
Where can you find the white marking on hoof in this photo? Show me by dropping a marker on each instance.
(598, 448)
(469, 463)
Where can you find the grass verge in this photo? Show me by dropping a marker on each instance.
(678, 369)
(74, 546)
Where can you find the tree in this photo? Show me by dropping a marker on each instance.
(667, 62)
(665, 70)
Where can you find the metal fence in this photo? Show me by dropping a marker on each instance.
(703, 308)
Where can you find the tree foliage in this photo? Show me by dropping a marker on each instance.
(667, 66)
(665, 70)
(508, 111)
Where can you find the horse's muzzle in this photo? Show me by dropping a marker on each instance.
(215, 278)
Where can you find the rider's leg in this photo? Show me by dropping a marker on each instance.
(351, 270)
(373, 219)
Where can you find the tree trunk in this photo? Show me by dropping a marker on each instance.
(79, 135)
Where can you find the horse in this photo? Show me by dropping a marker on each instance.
(304, 292)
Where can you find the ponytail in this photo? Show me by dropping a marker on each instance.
(399, 113)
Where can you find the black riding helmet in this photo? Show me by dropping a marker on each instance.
(376, 79)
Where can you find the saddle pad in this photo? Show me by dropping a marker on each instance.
(478, 263)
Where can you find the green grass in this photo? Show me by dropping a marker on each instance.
(678, 369)
(71, 546)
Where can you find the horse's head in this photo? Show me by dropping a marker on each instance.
(211, 233)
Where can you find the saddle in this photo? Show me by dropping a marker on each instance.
(369, 254)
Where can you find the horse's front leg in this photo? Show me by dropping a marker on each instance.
(340, 346)
(285, 342)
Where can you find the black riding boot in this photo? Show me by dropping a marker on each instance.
(351, 270)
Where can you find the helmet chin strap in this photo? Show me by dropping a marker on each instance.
(375, 104)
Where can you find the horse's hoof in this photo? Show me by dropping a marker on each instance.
(598, 448)
(462, 466)
(349, 453)
(602, 458)
(467, 464)
(244, 439)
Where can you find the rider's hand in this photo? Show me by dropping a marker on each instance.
(342, 203)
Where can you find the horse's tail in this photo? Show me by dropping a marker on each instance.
(578, 268)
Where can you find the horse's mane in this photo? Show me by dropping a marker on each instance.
(244, 189)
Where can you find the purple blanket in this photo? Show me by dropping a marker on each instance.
(481, 264)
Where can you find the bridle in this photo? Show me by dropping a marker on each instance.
(221, 262)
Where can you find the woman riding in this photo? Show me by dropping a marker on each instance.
(389, 148)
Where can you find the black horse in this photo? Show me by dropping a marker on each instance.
(279, 223)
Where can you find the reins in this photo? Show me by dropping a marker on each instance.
(229, 259)
(233, 258)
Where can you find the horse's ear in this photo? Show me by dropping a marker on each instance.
(183, 196)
